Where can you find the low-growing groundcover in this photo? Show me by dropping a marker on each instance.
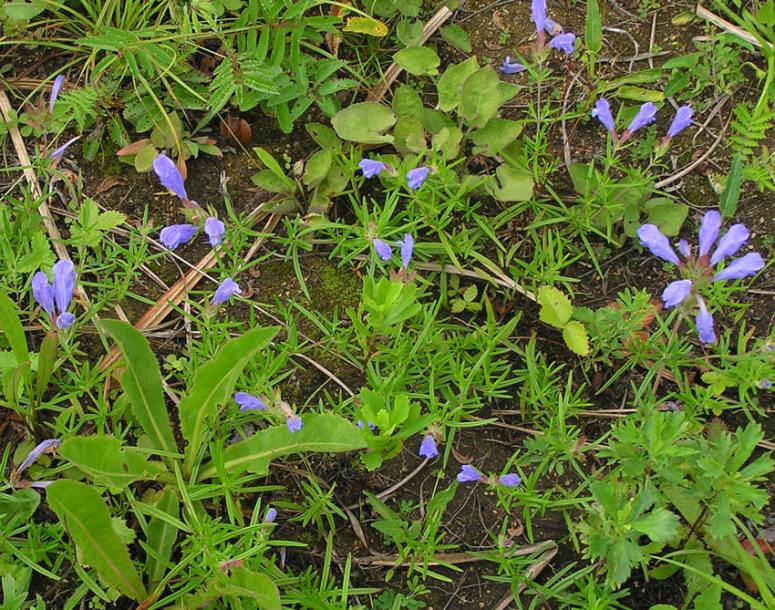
(285, 326)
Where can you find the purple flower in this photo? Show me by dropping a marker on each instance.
(730, 243)
(647, 114)
(359, 424)
(709, 228)
(383, 249)
(175, 235)
(765, 384)
(215, 230)
(602, 112)
(225, 291)
(705, 324)
(428, 448)
(741, 267)
(509, 480)
(563, 42)
(684, 249)
(371, 168)
(58, 82)
(47, 446)
(55, 299)
(42, 292)
(469, 474)
(293, 422)
(538, 13)
(681, 120)
(653, 239)
(511, 67)
(248, 402)
(59, 152)
(417, 176)
(170, 176)
(407, 249)
(271, 515)
(676, 292)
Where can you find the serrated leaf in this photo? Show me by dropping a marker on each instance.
(661, 525)
(364, 123)
(213, 384)
(323, 433)
(556, 308)
(142, 383)
(88, 522)
(575, 335)
(666, 214)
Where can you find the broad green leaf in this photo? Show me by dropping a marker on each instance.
(106, 461)
(480, 97)
(142, 383)
(661, 525)
(409, 33)
(447, 142)
(21, 505)
(161, 537)
(409, 136)
(245, 584)
(593, 31)
(23, 11)
(323, 433)
(639, 94)
(213, 384)
(366, 25)
(731, 194)
(317, 167)
(583, 177)
(450, 85)
(324, 136)
(495, 136)
(407, 102)
(144, 158)
(556, 308)
(668, 215)
(12, 328)
(88, 521)
(269, 181)
(418, 60)
(511, 184)
(456, 36)
(273, 166)
(575, 335)
(364, 123)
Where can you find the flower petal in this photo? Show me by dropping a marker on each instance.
(47, 446)
(709, 228)
(676, 292)
(653, 239)
(383, 249)
(42, 292)
(248, 402)
(65, 320)
(64, 284)
(647, 114)
(730, 243)
(416, 177)
(58, 82)
(428, 448)
(169, 176)
(215, 230)
(175, 235)
(509, 480)
(741, 267)
(563, 42)
(225, 291)
(704, 323)
(511, 67)
(407, 249)
(681, 120)
(469, 474)
(602, 112)
(370, 167)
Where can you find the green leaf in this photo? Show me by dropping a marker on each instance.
(21, 505)
(269, 181)
(409, 32)
(39, 257)
(324, 136)
(245, 584)
(105, 460)
(556, 308)
(639, 94)
(144, 158)
(407, 103)
(142, 383)
(457, 37)
(12, 328)
(274, 167)
(23, 11)
(479, 98)
(161, 537)
(593, 30)
(447, 142)
(326, 433)
(510, 184)
(213, 384)
(666, 214)
(364, 123)
(731, 194)
(496, 135)
(575, 335)
(418, 60)
(661, 525)
(450, 85)
(317, 167)
(87, 519)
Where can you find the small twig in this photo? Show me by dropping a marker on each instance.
(395, 561)
(325, 371)
(722, 23)
(530, 574)
(394, 488)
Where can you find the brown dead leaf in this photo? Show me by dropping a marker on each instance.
(108, 183)
(133, 148)
(463, 459)
(497, 19)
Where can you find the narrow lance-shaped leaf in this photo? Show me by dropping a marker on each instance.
(161, 537)
(142, 383)
(46, 360)
(87, 520)
(325, 433)
(11, 326)
(213, 384)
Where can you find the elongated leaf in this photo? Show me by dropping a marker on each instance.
(11, 326)
(46, 360)
(105, 460)
(325, 432)
(593, 31)
(142, 383)
(214, 382)
(87, 519)
(161, 537)
(731, 194)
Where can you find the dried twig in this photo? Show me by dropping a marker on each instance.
(725, 25)
(530, 574)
